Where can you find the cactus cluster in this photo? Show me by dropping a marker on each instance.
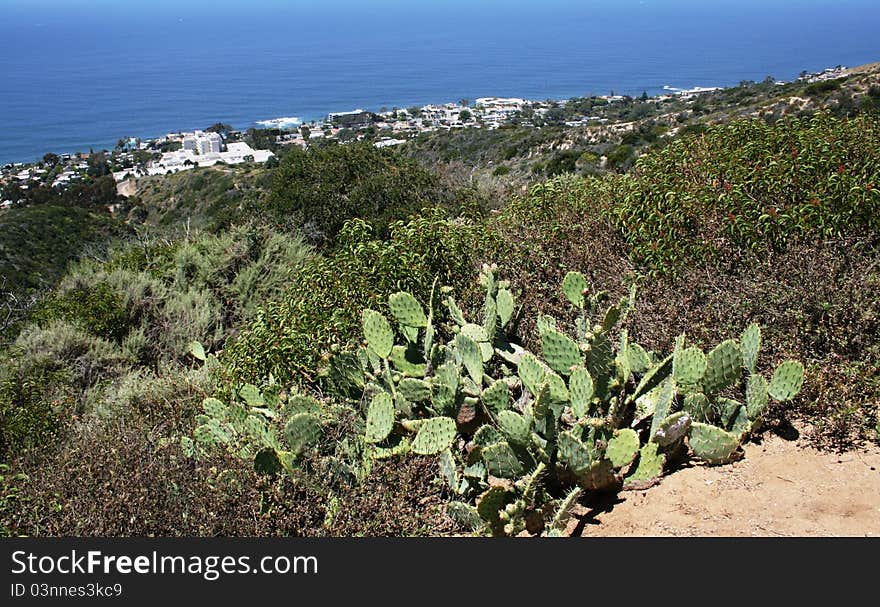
(270, 428)
(521, 435)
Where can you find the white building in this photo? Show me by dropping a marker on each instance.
(203, 143)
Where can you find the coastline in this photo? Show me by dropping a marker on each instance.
(292, 123)
(295, 121)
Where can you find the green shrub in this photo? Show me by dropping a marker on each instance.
(322, 188)
(95, 307)
(750, 185)
(321, 308)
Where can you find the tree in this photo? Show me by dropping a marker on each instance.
(224, 130)
(98, 165)
(465, 116)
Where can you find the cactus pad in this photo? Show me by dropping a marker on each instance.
(464, 515)
(697, 406)
(408, 360)
(558, 390)
(491, 503)
(377, 332)
(740, 425)
(663, 403)
(653, 378)
(215, 409)
(573, 286)
(650, 465)
(407, 310)
(638, 359)
(599, 364)
(300, 403)
(787, 381)
(689, 365)
(448, 470)
(756, 396)
(414, 390)
(471, 356)
(505, 306)
(672, 429)
(723, 366)
(580, 389)
(531, 373)
(515, 427)
(401, 448)
(501, 461)
(560, 352)
(612, 315)
(380, 418)
(622, 449)
(251, 395)
(478, 334)
(301, 431)
(712, 444)
(751, 345)
(496, 397)
(487, 435)
(434, 436)
(573, 453)
(455, 312)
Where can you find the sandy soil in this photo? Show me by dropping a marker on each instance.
(781, 488)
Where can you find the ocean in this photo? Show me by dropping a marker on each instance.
(80, 74)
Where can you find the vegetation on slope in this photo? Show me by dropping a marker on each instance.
(107, 358)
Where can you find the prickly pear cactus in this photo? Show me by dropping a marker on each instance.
(573, 286)
(515, 427)
(756, 396)
(751, 345)
(560, 351)
(496, 397)
(787, 381)
(501, 461)
(689, 366)
(712, 444)
(378, 333)
(723, 367)
(650, 466)
(434, 436)
(414, 390)
(302, 431)
(407, 311)
(471, 356)
(580, 389)
(380, 418)
(531, 373)
(505, 306)
(622, 449)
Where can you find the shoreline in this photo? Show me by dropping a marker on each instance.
(293, 123)
(311, 120)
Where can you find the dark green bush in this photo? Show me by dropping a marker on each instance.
(320, 189)
(97, 308)
(321, 308)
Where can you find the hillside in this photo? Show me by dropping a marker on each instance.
(368, 342)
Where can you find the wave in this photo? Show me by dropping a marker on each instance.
(286, 121)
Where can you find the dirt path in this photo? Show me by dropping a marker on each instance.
(781, 488)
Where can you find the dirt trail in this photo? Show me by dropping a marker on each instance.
(781, 488)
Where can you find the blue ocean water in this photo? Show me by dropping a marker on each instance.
(77, 74)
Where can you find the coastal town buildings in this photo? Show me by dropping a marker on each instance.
(203, 143)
